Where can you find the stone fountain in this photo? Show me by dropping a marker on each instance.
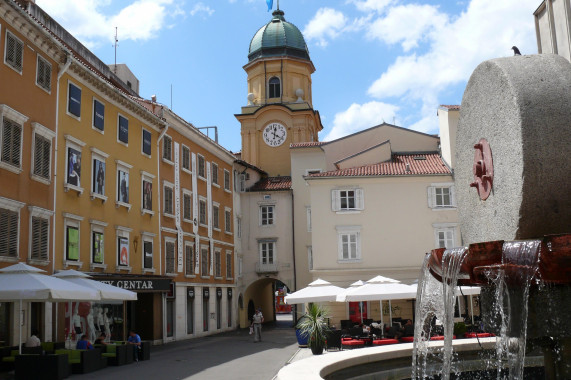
(513, 191)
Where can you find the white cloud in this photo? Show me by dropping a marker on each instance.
(201, 8)
(361, 116)
(407, 24)
(451, 49)
(371, 5)
(326, 24)
(88, 21)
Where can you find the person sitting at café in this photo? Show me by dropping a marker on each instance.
(101, 339)
(408, 328)
(33, 340)
(366, 329)
(83, 344)
(392, 333)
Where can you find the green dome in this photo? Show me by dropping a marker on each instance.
(278, 38)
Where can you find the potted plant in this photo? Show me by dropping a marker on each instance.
(313, 324)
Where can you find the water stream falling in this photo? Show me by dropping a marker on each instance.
(511, 282)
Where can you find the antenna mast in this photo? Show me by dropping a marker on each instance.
(115, 45)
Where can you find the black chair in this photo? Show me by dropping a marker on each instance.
(334, 339)
(41, 367)
(346, 324)
(356, 331)
(367, 321)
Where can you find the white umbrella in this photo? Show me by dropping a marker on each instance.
(354, 285)
(378, 289)
(22, 282)
(318, 291)
(106, 291)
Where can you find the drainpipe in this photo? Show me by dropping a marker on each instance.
(161, 135)
(59, 75)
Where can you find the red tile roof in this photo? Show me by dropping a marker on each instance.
(307, 144)
(400, 165)
(272, 184)
(450, 107)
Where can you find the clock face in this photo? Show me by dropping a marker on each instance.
(274, 134)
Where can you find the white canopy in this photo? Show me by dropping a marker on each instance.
(318, 291)
(22, 282)
(106, 291)
(377, 289)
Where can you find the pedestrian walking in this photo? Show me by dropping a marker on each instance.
(257, 321)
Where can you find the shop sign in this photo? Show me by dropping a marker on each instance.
(229, 293)
(141, 285)
(218, 292)
(206, 292)
(191, 292)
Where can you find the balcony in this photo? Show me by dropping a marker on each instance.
(266, 267)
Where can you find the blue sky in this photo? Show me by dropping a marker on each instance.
(404, 57)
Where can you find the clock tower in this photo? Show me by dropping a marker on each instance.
(279, 111)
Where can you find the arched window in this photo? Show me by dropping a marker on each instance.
(274, 87)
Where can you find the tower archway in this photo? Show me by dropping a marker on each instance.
(260, 293)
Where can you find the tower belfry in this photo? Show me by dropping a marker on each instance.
(279, 108)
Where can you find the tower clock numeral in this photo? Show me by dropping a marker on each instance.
(274, 134)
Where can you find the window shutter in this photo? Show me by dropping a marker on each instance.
(8, 233)
(335, 203)
(430, 196)
(359, 199)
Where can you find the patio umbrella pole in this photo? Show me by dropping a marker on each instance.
(361, 310)
(20, 328)
(472, 309)
(70, 322)
(390, 314)
(54, 334)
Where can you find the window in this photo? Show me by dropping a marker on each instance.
(441, 195)
(123, 249)
(217, 263)
(204, 261)
(185, 158)
(274, 87)
(186, 206)
(44, 74)
(310, 257)
(267, 252)
(39, 227)
(216, 217)
(147, 252)
(123, 183)
(123, 253)
(347, 200)
(123, 129)
(167, 148)
(98, 251)
(445, 235)
(189, 258)
(72, 242)
(169, 255)
(74, 100)
(226, 180)
(98, 115)
(228, 220)
(202, 211)
(201, 167)
(214, 173)
(266, 215)
(147, 192)
(349, 243)
(9, 227)
(72, 239)
(97, 243)
(240, 266)
(146, 143)
(73, 163)
(168, 198)
(228, 264)
(11, 149)
(14, 53)
(41, 161)
(98, 173)
(239, 227)
(308, 213)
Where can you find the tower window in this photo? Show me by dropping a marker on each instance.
(274, 85)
